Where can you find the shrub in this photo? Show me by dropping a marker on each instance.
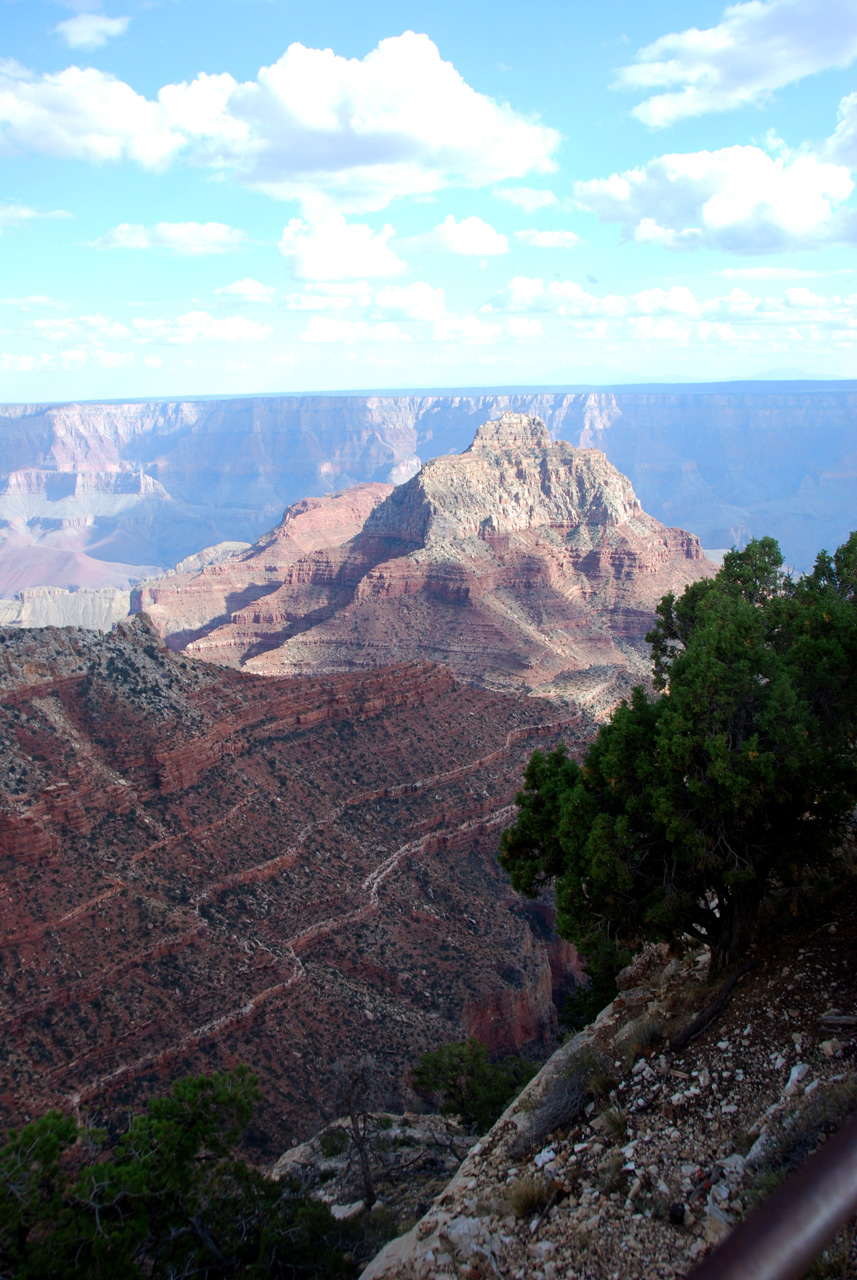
(468, 1085)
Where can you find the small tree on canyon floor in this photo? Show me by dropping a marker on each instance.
(692, 807)
(463, 1082)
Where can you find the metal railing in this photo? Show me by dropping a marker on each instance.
(783, 1237)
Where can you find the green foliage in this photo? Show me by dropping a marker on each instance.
(461, 1077)
(333, 1142)
(690, 807)
(167, 1198)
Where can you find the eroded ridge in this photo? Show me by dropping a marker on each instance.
(200, 867)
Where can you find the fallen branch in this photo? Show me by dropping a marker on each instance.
(704, 1020)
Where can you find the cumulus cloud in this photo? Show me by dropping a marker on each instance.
(191, 239)
(530, 199)
(358, 132)
(470, 236)
(738, 198)
(548, 239)
(756, 48)
(90, 30)
(247, 289)
(83, 114)
(330, 248)
(199, 326)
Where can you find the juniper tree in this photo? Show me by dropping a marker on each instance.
(691, 806)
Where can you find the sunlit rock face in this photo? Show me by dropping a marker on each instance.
(520, 564)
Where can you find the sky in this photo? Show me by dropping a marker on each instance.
(225, 197)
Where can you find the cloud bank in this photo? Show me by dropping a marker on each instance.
(355, 132)
(756, 48)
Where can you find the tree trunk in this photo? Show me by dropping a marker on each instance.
(730, 945)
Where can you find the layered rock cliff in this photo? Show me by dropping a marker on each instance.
(194, 599)
(519, 564)
(200, 867)
(103, 494)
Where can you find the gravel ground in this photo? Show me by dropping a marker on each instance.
(674, 1149)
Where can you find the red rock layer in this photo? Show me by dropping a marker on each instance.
(184, 606)
(520, 564)
(199, 867)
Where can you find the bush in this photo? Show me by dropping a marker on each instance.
(165, 1198)
(462, 1080)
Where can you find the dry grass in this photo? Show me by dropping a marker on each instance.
(528, 1195)
(615, 1122)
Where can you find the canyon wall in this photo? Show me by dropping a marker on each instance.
(200, 867)
(520, 564)
(102, 494)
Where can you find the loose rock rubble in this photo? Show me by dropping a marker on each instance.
(654, 1171)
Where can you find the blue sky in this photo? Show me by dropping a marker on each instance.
(205, 197)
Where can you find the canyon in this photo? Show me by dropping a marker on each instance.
(103, 495)
(200, 867)
(520, 564)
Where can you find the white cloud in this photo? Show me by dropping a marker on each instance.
(467, 329)
(199, 326)
(770, 273)
(310, 301)
(358, 132)
(249, 290)
(565, 297)
(13, 215)
(470, 236)
(153, 362)
(548, 239)
(417, 301)
(842, 146)
(64, 328)
(83, 114)
(524, 328)
(30, 301)
(114, 359)
(90, 30)
(191, 239)
(328, 329)
(738, 198)
(527, 198)
(757, 47)
(330, 248)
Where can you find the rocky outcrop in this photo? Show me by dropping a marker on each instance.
(201, 867)
(520, 564)
(102, 495)
(195, 598)
(622, 1150)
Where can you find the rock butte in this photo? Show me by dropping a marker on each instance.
(101, 495)
(201, 867)
(520, 565)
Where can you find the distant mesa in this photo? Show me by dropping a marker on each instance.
(520, 564)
